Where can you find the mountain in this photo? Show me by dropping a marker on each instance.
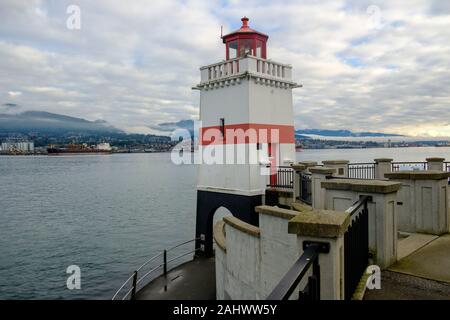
(299, 134)
(342, 133)
(46, 122)
(51, 123)
(172, 126)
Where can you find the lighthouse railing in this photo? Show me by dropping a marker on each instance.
(135, 281)
(264, 67)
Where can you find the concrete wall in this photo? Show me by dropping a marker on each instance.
(422, 206)
(382, 219)
(279, 251)
(252, 266)
(220, 262)
(242, 266)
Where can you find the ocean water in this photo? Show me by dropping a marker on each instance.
(106, 214)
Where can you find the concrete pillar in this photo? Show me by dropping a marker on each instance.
(342, 193)
(298, 169)
(319, 175)
(435, 163)
(327, 227)
(382, 166)
(341, 167)
(422, 201)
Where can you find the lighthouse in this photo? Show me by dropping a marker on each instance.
(246, 129)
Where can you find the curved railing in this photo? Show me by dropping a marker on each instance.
(136, 281)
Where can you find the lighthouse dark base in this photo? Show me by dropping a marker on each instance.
(242, 207)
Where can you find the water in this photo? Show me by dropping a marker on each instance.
(106, 214)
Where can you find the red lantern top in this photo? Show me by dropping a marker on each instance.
(245, 41)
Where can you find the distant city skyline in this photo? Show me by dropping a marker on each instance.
(378, 66)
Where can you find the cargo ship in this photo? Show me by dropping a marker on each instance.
(102, 148)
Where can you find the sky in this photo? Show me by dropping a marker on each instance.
(380, 66)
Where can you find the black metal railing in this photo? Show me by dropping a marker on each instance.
(309, 259)
(361, 170)
(305, 187)
(281, 177)
(132, 285)
(413, 165)
(356, 245)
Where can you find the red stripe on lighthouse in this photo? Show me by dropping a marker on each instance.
(247, 133)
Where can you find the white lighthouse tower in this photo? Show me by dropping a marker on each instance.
(247, 124)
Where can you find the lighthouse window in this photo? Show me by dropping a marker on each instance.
(232, 49)
(246, 46)
(259, 45)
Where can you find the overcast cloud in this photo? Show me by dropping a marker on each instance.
(365, 65)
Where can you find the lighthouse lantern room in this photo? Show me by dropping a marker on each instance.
(244, 41)
(248, 99)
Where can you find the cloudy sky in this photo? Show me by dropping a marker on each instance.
(365, 65)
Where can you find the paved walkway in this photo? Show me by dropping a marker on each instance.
(398, 286)
(193, 280)
(430, 262)
(423, 274)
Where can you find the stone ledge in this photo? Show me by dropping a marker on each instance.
(320, 223)
(219, 235)
(334, 162)
(282, 192)
(276, 212)
(418, 175)
(298, 167)
(359, 185)
(435, 159)
(378, 160)
(242, 226)
(308, 164)
(301, 207)
(322, 170)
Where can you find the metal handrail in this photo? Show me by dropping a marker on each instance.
(123, 285)
(358, 204)
(183, 243)
(128, 292)
(151, 270)
(150, 260)
(182, 255)
(360, 163)
(292, 278)
(407, 162)
(134, 275)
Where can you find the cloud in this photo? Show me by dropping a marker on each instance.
(14, 93)
(133, 64)
(10, 105)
